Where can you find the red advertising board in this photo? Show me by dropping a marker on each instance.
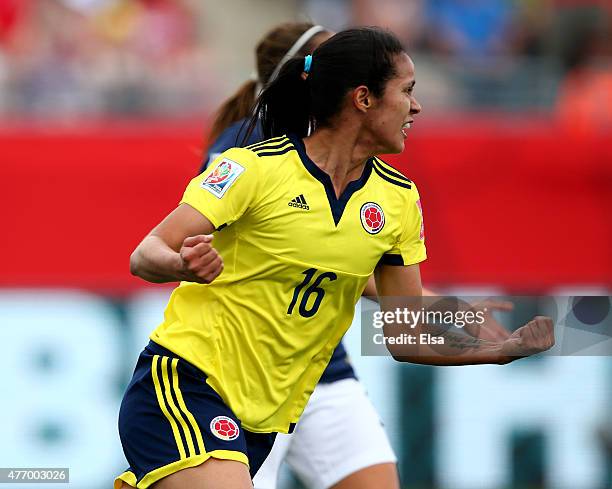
(524, 207)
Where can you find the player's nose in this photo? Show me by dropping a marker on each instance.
(415, 106)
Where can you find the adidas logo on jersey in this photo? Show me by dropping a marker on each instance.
(299, 202)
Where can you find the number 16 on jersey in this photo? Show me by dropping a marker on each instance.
(314, 288)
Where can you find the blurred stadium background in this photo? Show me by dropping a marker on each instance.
(104, 106)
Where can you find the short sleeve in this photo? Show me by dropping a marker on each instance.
(410, 247)
(226, 189)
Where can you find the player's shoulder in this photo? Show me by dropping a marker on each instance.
(240, 156)
(236, 134)
(272, 147)
(230, 137)
(390, 174)
(259, 157)
(393, 179)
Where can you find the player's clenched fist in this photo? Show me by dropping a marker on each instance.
(200, 261)
(536, 336)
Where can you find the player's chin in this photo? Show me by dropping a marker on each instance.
(391, 145)
(396, 146)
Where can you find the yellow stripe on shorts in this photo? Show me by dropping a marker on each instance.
(183, 407)
(162, 405)
(175, 410)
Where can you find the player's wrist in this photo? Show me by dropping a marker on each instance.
(177, 266)
(508, 352)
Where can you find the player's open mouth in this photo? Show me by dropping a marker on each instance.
(405, 128)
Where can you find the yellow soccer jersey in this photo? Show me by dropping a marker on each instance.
(296, 261)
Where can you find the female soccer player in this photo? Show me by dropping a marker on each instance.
(340, 439)
(242, 347)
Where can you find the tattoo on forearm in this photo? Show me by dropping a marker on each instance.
(460, 341)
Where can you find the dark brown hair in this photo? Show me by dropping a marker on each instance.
(293, 103)
(269, 53)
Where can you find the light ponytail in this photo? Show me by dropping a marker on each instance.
(239, 106)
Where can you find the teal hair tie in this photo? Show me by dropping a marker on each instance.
(307, 63)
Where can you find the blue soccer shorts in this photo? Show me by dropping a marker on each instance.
(171, 419)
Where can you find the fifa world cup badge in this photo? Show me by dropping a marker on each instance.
(222, 177)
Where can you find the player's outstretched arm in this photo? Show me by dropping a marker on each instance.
(400, 287)
(178, 248)
(491, 329)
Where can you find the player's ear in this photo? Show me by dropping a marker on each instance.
(362, 98)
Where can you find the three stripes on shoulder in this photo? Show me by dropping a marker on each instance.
(390, 174)
(272, 147)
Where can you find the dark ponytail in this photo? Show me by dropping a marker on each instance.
(294, 102)
(284, 106)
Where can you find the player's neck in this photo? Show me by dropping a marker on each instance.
(338, 154)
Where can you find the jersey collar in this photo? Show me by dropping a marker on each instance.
(337, 205)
